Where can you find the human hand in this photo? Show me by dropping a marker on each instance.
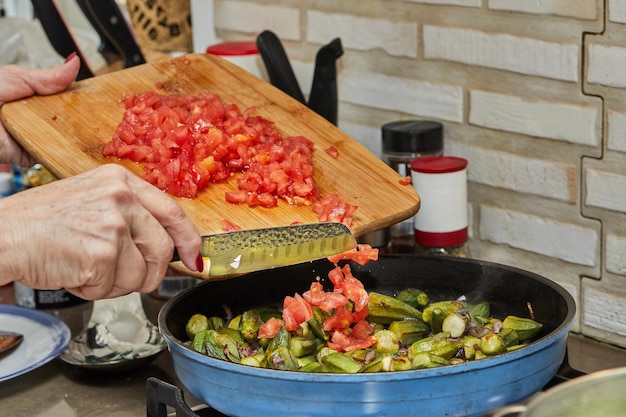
(20, 82)
(100, 234)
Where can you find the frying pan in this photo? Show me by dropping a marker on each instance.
(467, 389)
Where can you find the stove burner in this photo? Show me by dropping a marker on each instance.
(161, 394)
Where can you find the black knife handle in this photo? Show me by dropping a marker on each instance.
(111, 22)
(58, 33)
(323, 98)
(108, 51)
(277, 65)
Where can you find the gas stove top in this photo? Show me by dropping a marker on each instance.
(162, 397)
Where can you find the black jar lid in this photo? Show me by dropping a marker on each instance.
(413, 136)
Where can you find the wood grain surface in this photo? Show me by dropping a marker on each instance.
(66, 133)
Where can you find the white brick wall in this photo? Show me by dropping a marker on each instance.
(605, 189)
(615, 249)
(402, 94)
(502, 51)
(524, 175)
(550, 120)
(617, 11)
(606, 65)
(617, 131)
(250, 17)
(569, 242)
(397, 38)
(582, 9)
(604, 311)
(470, 3)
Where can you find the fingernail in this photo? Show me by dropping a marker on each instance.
(199, 263)
(70, 57)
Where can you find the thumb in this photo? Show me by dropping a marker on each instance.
(20, 82)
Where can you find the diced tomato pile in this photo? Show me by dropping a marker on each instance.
(186, 142)
(346, 303)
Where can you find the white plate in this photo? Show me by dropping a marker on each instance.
(45, 337)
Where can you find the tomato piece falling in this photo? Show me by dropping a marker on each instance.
(297, 310)
(362, 254)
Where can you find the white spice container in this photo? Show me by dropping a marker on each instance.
(441, 224)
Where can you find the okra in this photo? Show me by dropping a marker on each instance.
(492, 344)
(526, 328)
(455, 324)
(409, 331)
(470, 345)
(447, 307)
(195, 324)
(250, 323)
(342, 363)
(387, 342)
(282, 339)
(385, 309)
(440, 345)
(302, 346)
(480, 313)
(509, 337)
(282, 359)
(414, 297)
(315, 323)
(425, 360)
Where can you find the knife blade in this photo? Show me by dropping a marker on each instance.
(110, 21)
(242, 251)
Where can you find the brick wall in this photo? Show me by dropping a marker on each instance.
(532, 93)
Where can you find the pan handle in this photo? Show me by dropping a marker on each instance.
(161, 394)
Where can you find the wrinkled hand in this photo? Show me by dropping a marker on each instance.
(100, 234)
(19, 82)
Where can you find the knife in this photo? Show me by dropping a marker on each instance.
(243, 251)
(106, 48)
(59, 34)
(110, 22)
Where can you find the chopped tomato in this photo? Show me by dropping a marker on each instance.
(269, 328)
(332, 151)
(229, 226)
(405, 181)
(298, 310)
(187, 142)
(354, 290)
(361, 330)
(345, 343)
(342, 319)
(362, 254)
(334, 208)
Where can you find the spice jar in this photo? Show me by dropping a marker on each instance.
(441, 224)
(402, 142)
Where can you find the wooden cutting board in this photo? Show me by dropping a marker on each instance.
(66, 133)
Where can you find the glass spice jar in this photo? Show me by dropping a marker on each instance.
(402, 142)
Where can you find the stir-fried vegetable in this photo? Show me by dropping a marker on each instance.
(349, 330)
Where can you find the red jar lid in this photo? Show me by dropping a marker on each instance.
(438, 164)
(233, 48)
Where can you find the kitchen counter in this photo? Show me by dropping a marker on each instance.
(60, 390)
